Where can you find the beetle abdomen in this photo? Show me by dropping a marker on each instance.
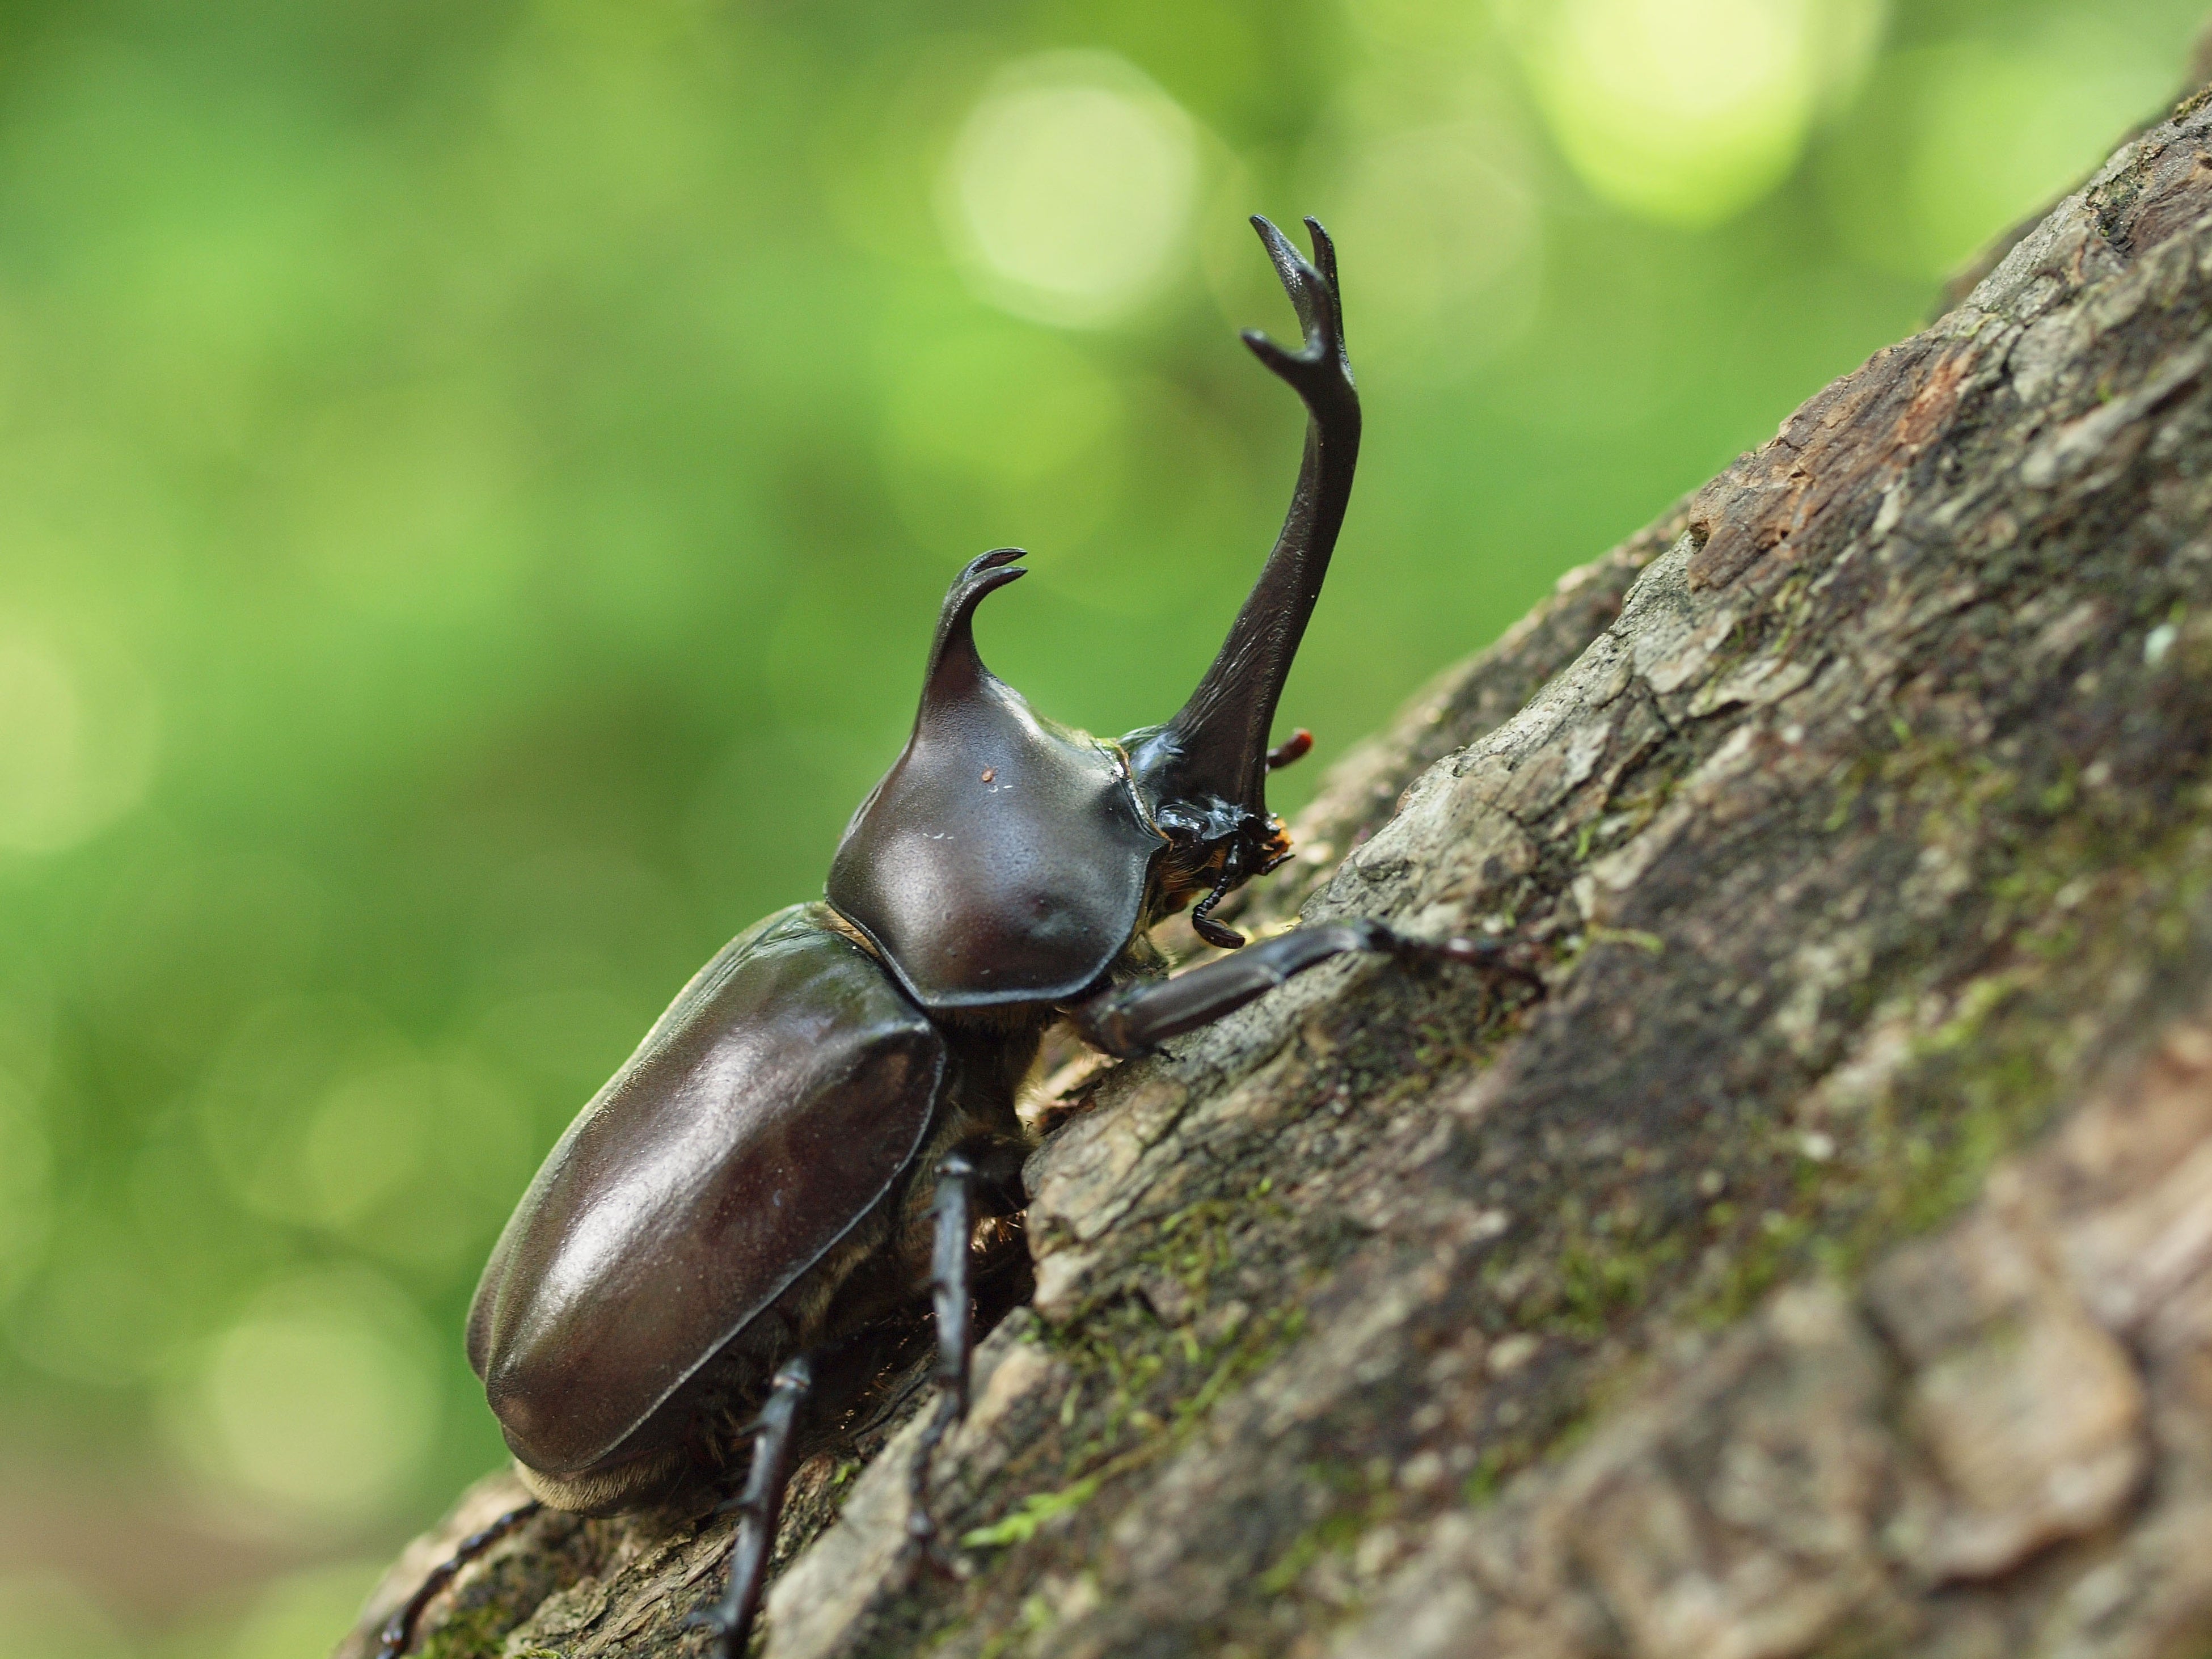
(779, 1099)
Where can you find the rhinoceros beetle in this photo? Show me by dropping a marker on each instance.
(805, 1142)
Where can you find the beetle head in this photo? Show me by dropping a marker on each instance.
(1003, 859)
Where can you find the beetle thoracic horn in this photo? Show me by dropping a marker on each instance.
(1206, 768)
(955, 669)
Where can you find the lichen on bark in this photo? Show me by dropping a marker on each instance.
(1824, 1264)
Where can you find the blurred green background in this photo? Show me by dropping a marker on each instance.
(476, 486)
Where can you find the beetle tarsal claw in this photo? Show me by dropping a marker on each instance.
(1504, 959)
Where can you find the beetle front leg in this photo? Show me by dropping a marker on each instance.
(1137, 1019)
(957, 1178)
(759, 1508)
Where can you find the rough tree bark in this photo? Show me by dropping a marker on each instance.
(1822, 1267)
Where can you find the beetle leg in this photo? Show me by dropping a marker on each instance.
(399, 1629)
(1202, 916)
(1136, 1019)
(956, 1337)
(758, 1509)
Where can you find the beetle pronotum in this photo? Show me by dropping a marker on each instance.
(744, 1200)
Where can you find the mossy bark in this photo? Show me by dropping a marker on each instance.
(1822, 1265)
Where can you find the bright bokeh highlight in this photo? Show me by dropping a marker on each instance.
(317, 1407)
(76, 739)
(1687, 112)
(1070, 189)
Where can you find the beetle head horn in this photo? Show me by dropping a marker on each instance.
(1205, 772)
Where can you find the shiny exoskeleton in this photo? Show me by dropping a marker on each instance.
(802, 1147)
